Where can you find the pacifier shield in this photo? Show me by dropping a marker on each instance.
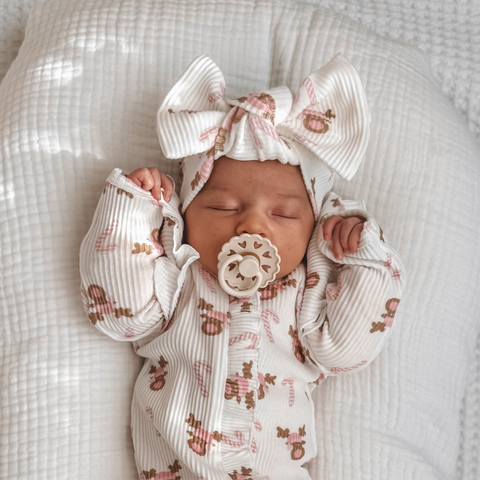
(247, 263)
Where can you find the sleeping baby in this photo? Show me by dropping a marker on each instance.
(253, 286)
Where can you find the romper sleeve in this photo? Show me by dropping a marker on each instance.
(120, 258)
(349, 307)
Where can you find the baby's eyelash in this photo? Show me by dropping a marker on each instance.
(292, 217)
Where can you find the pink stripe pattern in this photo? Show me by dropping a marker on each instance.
(244, 336)
(291, 390)
(100, 246)
(266, 315)
(198, 367)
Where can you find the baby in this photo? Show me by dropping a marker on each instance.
(226, 387)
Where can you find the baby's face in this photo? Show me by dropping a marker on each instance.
(267, 198)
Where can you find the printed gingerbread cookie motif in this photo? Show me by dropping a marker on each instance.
(194, 183)
(245, 475)
(263, 102)
(317, 122)
(214, 320)
(120, 191)
(158, 374)
(312, 280)
(103, 305)
(170, 475)
(337, 203)
(142, 248)
(220, 140)
(265, 381)
(391, 308)
(154, 239)
(244, 301)
(295, 442)
(272, 290)
(300, 353)
(168, 222)
(202, 440)
(237, 386)
(381, 234)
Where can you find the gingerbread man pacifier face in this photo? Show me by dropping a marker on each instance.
(247, 263)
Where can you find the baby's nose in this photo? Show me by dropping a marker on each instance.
(253, 222)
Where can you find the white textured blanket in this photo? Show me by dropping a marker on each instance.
(82, 97)
(448, 31)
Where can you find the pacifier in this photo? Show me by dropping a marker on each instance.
(247, 263)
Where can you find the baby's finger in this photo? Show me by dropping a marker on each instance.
(145, 177)
(354, 238)
(157, 183)
(137, 176)
(348, 226)
(330, 225)
(167, 185)
(337, 249)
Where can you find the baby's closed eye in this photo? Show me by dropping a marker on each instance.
(283, 212)
(223, 208)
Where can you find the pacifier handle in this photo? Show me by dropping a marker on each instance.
(226, 287)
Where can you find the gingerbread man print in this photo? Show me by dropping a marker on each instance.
(265, 381)
(214, 320)
(158, 374)
(262, 102)
(202, 440)
(237, 386)
(300, 353)
(295, 441)
(273, 289)
(103, 305)
(170, 475)
(317, 122)
(391, 308)
(245, 475)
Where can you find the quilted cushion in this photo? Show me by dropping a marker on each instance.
(81, 99)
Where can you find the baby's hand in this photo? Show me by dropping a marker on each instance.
(150, 179)
(344, 233)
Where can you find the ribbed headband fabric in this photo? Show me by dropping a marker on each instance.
(325, 127)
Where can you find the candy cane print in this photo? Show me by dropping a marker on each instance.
(310, 90)
(347, 369)
(291, 396)
(257, 425)
(217, 94)
(206, 133)
(259, 124)
(232, 443)
(207, 277)
(266, 315)
(334, 292)
(201, 364)
(254, 446)
(156, 204)
(244, 336)
(206, 169)
(100, 246)
(388, 263)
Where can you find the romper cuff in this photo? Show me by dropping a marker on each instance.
(171, 270)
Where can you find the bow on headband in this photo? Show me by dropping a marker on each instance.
(328, 119)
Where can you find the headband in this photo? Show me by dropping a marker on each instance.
(325, 127)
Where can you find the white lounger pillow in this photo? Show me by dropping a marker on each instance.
(82, 98)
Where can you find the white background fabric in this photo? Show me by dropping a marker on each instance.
(82, 98)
